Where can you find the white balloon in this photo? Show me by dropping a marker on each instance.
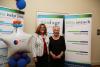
(3, 52)
(2, 44)
(18, 41)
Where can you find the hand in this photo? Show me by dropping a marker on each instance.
(58, 57)
(35, 59)
(54, 56)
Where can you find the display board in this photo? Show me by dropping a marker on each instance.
(7, 16)
(50, 20)
(78, 40)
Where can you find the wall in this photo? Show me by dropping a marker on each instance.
(62, 6)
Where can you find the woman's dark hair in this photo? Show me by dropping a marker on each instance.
(38, 29)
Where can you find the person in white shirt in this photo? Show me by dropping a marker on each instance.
(40, 46)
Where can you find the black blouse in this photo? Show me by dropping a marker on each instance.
(56, 46)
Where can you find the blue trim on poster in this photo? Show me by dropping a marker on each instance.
(75, 64)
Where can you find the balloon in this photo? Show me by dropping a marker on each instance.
(19, 41)
(21, 4)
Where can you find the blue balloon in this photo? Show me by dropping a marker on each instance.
(21, 4)
(17, 0)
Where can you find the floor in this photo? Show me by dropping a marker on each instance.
(96, 66)
(92, 66)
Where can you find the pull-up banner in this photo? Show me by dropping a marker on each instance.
(78, 40)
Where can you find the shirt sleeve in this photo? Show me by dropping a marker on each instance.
(64, 44)
(50, 45)
(33, 46)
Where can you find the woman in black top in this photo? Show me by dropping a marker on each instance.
(57, 49)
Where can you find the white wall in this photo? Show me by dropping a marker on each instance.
(62, 6)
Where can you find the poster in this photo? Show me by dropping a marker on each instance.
(50, 20)
(78, 40)
(6, 18)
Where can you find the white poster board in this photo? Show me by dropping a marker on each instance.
(50, 20)
(6, 19)
(78, 40)
(7, 16)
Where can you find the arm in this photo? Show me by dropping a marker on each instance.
(60, 55)
(64, 45)
(53, 55)
(63, 48)
(34, 48)
(50, 49)
(48, 45)
(4, 42)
